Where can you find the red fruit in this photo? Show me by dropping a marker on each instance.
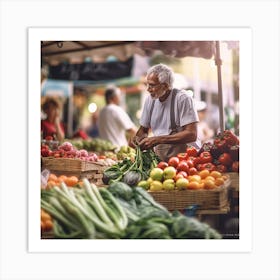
(182, 156)
(183, 173)
(225, 159)
(193, 171)
(178, 176)
(221, 168)
(162, 165)
(173, 161)
(183, 166)
(191, 151)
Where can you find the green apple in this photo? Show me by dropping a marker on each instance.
(168, 184)
(156, 174)
(144, 184)
(182, 183)
(156, 186)
(169, 172)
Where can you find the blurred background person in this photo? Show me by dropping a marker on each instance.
(51, 125)
(92, 130)
(204, 131)
(114, 124)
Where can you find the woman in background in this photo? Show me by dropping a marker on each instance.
(52, 126)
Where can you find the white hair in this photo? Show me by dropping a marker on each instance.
(164, 73)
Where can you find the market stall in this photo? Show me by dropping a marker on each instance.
(90, 189)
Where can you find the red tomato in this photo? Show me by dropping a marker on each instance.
(230, 138)
(235, 166)
(191, 151)
(162, 165)
(209, 166)
(182, 156)
(183, 173)
(183, 166)
(221, 145)
(190, 163)
(178, 176)
(193, 171)
(173, 161)
(221, 168)
(196, 161)
(205, 157)
(225, 159)
(199, 166)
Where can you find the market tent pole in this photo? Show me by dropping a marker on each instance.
(218, 63)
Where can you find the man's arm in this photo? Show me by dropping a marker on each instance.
(187, 135)
(141, 133)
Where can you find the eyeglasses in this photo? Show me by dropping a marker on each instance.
(152, 85)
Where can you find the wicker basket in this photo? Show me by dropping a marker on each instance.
(93, 171)
(205, 199)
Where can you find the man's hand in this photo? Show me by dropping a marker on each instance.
(134, 141)
(148, 143)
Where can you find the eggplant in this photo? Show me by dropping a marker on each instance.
(132, 178)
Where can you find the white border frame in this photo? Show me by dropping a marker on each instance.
(243, 35)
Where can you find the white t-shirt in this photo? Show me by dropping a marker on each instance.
(160, 122)
(113, 122)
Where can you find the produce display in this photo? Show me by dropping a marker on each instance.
(67, 150)
(116, 212)
(46, 221)
(224, 153)
(131, 171)
(132, 204)
(54, 180)
(169, 178)
(95, 144)
(126, 152)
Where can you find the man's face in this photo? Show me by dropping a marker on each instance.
(154, 87)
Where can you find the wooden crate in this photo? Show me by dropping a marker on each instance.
(205, 199)
(234, 178)
(93, 171)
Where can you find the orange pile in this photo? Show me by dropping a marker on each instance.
(54, 180)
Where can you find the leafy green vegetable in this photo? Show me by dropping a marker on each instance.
(120, 189)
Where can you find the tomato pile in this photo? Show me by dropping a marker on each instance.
(222, 155)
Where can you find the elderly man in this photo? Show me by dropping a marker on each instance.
(169, 113)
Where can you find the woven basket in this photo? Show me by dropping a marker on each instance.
(93, 171)
(205, 199)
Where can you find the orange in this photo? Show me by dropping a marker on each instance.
(51, 184)
(193, 185)
(48, 225)
(204, 173)
(219, 181)
(62, 178)
(52, 177)
(209, 184)
(216, 174)
(195, 178)
(71, 181)
(210, 178)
